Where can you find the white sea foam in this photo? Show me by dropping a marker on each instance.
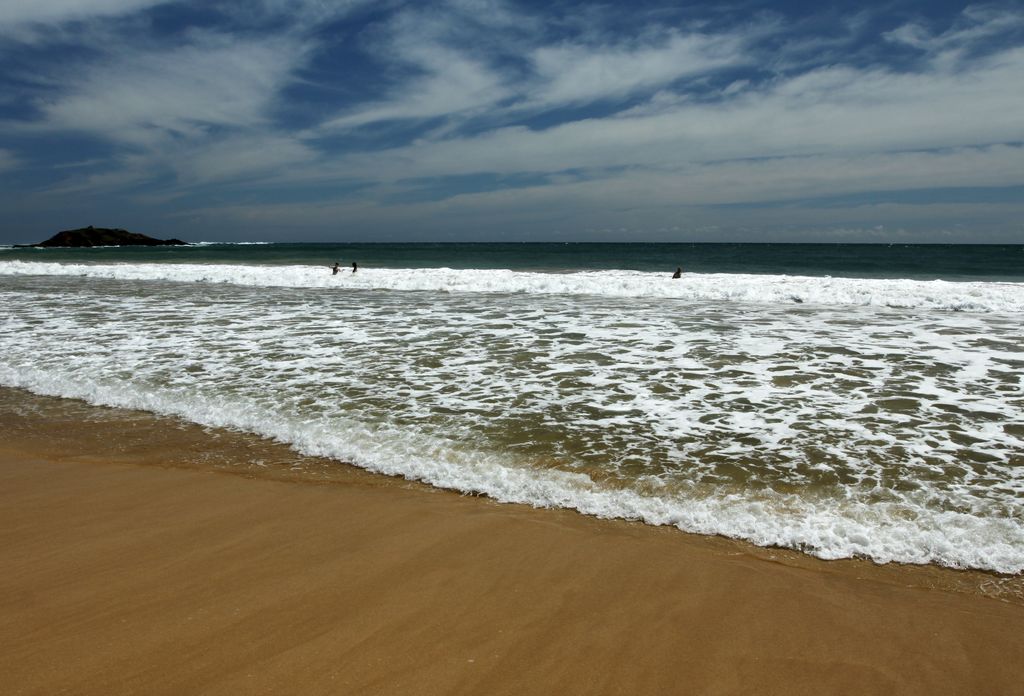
(772, 289)
(841, 431)
(207, 244)
(901, 531)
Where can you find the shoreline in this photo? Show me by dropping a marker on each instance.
(63, 428)
(134, 564)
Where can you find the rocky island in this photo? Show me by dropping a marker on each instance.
(102, 236)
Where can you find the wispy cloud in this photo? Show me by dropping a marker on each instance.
(144, 98)
(829, 110)
(452, 84)
(453, 76)
(782, 179)
(977, 23)
(16, 13)
(243, 156)
(495, 110)
(578, 73)
(8, 161)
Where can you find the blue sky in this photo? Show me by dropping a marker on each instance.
(310, 120)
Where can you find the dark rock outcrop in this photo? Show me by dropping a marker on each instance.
(102, 236)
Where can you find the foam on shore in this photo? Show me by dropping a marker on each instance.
(840, 431)
(904, 530)
(771, 289)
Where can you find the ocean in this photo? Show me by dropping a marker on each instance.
(842, 400)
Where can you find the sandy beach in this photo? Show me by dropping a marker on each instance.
(143, 555)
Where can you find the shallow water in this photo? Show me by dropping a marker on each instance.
(870, 419)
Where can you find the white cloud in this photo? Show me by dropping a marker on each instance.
(145, 98)
(297, 15)
(449, 74)
(977, 23)
(458, 78)
(197, 113)
(647, 199)
(453, 84)
(15, 12)
(243, 156)
(121, 173)
(19, 13)
(831, 110)
(744, 182)
(200, 113)
(192, 163)
(575, 73)
(831, 132)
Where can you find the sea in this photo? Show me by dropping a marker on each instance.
(842, 400)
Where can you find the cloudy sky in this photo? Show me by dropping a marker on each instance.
(345, 120)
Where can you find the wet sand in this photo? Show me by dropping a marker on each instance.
(141, 555)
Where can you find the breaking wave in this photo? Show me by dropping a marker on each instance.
(771, 289)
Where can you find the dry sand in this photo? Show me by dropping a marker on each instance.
(133, 561)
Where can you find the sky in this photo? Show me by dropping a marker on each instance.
(493, 120)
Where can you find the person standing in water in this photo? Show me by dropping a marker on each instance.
(678, 273)
(354, 267)
(335, 268)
